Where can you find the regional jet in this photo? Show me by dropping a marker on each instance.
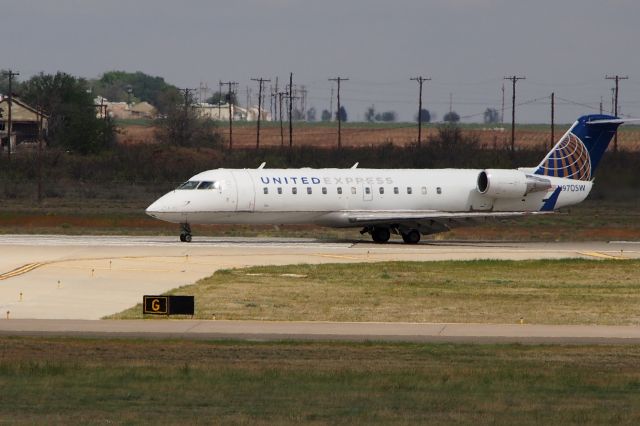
(408, 202)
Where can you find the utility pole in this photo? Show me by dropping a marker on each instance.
(280, 95)
(219, 100)
(10, 74)
(185, 124)
(553, 114)
(420, 80)
(600, 105)
(617, 78)
(39, 116)
(513, 79)
(502, 110)
(338, 80)
(230, 97)
(303, 102)
(291, 98)
(331, 105)
(261, 82)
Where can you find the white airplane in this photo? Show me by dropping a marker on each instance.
(409, 202)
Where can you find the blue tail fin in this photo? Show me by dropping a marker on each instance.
(578, 153)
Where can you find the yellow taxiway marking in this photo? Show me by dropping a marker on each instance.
(21, 270)
(337, 256)
(601, 255)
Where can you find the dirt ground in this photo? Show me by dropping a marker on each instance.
(245, 136)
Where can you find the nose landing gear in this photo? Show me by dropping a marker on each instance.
(185, 234)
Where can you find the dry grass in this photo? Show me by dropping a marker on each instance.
(84, 381)
(542, 292)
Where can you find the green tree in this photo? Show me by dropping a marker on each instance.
(182, 126)
(343, 114)
(386, 116)
(370, 114)
(223, 97)
(4, 83)
(311, 114)
(122, 86)
(451, 117)
(425, 115)
(491, 116)
(326, 115)
(73, 120)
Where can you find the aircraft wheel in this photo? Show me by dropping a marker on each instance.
(185, 235)
(411, 237)
(380, 235)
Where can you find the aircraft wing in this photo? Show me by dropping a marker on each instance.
(429, 221)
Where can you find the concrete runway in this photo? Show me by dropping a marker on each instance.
(88, 277)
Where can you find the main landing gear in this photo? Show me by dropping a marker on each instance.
(185, 234)
(381, 234)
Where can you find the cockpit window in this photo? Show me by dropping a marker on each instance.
(205, 185)
(192, 184)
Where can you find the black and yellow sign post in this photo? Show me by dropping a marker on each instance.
(168, 305)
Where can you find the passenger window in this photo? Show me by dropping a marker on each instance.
(265, 190)
(309, 190)
(324, 190)
(353, 190)
(382, 190)
(294, 190)
(279, 190)
(367, 190)
(395, 190)
(424, 190)
(339, 190)
(408, 190)
(439, 190)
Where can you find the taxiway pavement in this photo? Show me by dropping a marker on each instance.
(89, 277)
(333, 331)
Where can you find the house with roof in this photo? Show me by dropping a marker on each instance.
(25, 123)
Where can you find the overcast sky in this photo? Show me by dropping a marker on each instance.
(465, 46)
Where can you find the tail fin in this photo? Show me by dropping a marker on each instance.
(578, 153)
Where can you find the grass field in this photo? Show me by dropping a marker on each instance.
(65, 381)
(540, 292)
(593, 220)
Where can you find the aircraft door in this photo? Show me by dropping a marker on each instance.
(245, 191)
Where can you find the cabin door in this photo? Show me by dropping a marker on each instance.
(245, 191)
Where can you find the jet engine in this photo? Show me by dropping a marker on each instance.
(499, 183)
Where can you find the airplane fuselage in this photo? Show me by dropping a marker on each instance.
(322, 196)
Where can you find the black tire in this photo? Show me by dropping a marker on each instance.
(187, 238)
(411, 237)
(380, 235)
(182, 237)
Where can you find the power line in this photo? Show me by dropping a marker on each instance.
(617, 78)
(229, 96)
(10, 74)
(420, 80)
(291, 98)
(513, 79)
(261, 82)
(339, 79)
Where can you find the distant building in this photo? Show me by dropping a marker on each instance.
(220, 112)
(123, 110)
(25, 122)
(143, 110)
